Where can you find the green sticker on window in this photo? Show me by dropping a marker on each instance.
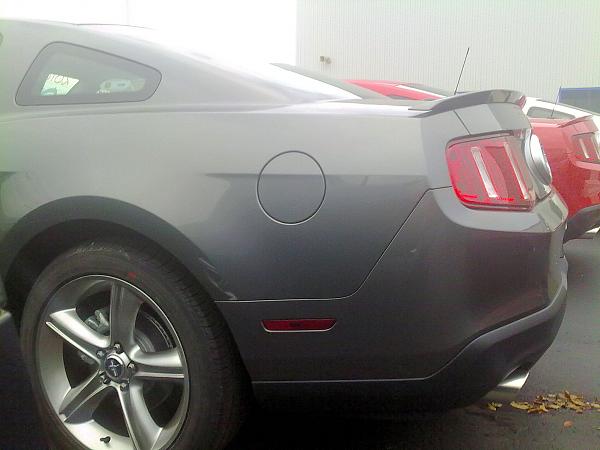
(58, 84)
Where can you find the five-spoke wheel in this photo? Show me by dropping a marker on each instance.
(126, 351)
(131, 371)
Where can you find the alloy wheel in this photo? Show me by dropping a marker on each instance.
(112, 366)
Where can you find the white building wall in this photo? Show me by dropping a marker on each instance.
(533, 46)
(76, 11)
(261, 30)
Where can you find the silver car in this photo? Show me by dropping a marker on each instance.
(180, 234)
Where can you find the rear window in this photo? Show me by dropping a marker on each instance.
(544, 113)
(584, 98)
(69, 74)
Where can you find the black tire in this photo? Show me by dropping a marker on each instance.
(217, 379)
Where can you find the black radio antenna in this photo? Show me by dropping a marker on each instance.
(461, 70)
(555, 102)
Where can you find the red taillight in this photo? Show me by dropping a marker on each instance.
(491, 173)
(587, 147)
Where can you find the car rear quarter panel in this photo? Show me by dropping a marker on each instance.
(434, 290)
(191, 155)
(197, 171)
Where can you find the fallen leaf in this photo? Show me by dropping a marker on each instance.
(543, 403)
(493, 406)
(520, 405)
(537, 410)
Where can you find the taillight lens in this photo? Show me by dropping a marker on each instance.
(491, 173)
(587, 147)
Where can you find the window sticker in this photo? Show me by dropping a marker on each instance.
(58, 84)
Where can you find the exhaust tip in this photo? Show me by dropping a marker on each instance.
(509, 387)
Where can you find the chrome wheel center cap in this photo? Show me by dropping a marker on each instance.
(114, 367)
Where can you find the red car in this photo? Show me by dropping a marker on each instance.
(573, 151)
(572, 148)
(404, 91)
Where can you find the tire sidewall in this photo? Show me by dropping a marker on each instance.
(195, 336)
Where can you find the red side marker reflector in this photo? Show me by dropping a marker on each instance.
(299, 324)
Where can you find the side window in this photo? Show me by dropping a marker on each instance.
(65, 74)
(536, 112)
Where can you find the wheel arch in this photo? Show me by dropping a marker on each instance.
(44, 233)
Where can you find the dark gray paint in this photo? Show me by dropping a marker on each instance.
(432, 291)
(3, 299)
(570, 363)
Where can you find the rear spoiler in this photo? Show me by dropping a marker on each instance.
(469, 99)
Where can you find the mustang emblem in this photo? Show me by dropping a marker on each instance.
(114, 366)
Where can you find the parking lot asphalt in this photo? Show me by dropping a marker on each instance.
(572, 363)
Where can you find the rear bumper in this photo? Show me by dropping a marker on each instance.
(583, 221)
(475, 371)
